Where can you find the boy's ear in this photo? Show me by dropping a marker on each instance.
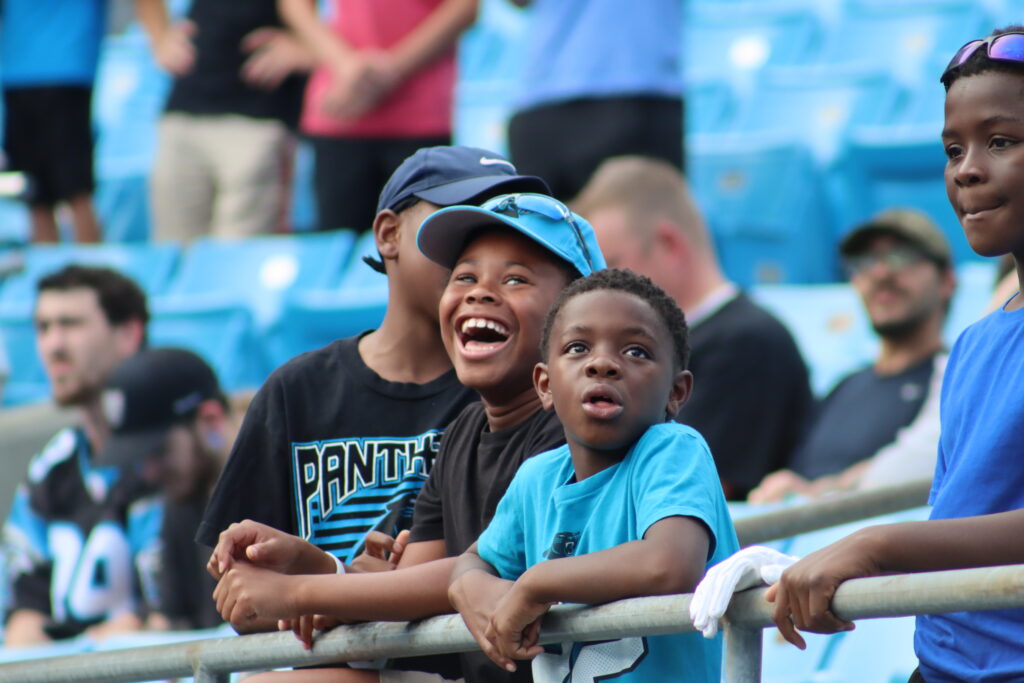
(386, 233)
(682, 386)
(542, 383)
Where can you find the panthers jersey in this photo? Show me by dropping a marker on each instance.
(81, 543)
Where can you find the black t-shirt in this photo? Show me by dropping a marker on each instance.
(185, 585)
(472, 472)
(751, 395)
(329, 450)
(214, 84)
(860, 416)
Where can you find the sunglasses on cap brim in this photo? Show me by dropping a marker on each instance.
(1006, 47)
(552, 209)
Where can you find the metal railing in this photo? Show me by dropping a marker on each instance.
(212, 660)
(831, 511)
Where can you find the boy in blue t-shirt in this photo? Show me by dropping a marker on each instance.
(978, 491)
(630, 506)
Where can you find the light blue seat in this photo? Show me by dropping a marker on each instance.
(27, 382)
(767, 211)
(829, 325)
(901, 38)
(723, 40)
(150, 265)
(258, 271)
(223, 334)
(311, 319)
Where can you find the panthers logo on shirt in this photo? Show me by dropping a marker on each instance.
(347, 487)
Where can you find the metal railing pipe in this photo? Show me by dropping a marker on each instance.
(832, 511)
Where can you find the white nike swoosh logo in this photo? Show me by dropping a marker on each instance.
(488, 161)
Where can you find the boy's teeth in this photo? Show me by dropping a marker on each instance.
(483, 324)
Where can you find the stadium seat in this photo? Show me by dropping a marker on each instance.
(150, 265)
(723, 40)
(310, 319)
(901, 38)
(766, 210)
(256, 272)
(27, 382)
(223, 334)
(829, 325)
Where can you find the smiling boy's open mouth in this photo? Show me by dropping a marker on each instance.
(482, 334)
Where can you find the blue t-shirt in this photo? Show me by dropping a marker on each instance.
(980, 470)
(602, 48)
(547, 514)
(50, 42)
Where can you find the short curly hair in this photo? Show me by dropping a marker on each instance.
(979, 62)
(627, 281)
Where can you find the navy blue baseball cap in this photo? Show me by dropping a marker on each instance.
(454, 175)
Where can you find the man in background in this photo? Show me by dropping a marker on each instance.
(170, 420)
(81, 539)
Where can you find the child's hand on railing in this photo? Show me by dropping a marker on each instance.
(753, 566)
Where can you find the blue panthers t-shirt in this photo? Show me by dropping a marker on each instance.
(547, 514)
(50, 42)
(980, 470)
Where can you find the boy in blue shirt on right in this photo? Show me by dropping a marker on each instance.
(630, 506)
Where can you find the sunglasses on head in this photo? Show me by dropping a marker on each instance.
(1006, 47)
(550, 208)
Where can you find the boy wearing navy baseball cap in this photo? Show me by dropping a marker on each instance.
(338, 441)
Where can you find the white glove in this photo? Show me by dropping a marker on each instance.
(752, 566)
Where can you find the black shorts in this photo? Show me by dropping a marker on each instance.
(349, 173)
(564, 143)
(48, 136)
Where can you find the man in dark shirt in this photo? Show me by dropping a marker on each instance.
(900, 265)
(751, 392)
(170, 420)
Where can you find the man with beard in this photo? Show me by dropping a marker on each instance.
(81, 539)
(900, 265)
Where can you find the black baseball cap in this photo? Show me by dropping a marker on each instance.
(149, 393)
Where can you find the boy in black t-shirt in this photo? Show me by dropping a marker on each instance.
(510, 259)
(338, 441)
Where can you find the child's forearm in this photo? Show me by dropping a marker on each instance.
(417, 592)
(670, 559)
(985, 540)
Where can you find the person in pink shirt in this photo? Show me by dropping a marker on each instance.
(382, 89)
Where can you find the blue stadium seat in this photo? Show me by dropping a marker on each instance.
(814, 107)
(767, 211)
(901, 38)
(14, 222)
(723, 40)
(150, 265)
(829, 325)
(710, 106)
(256, 272)
(310, 319)
(27, 382)
(223, 334)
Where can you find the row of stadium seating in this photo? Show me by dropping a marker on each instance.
(247, 306)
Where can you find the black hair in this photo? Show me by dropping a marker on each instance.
(620, 280)
(120, 298)
(979, 62)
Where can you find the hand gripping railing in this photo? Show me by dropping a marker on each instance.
(211, 660)
(831, 511)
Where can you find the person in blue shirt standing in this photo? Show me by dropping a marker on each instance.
(49, 50)
(630, 506)
(602, 78)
